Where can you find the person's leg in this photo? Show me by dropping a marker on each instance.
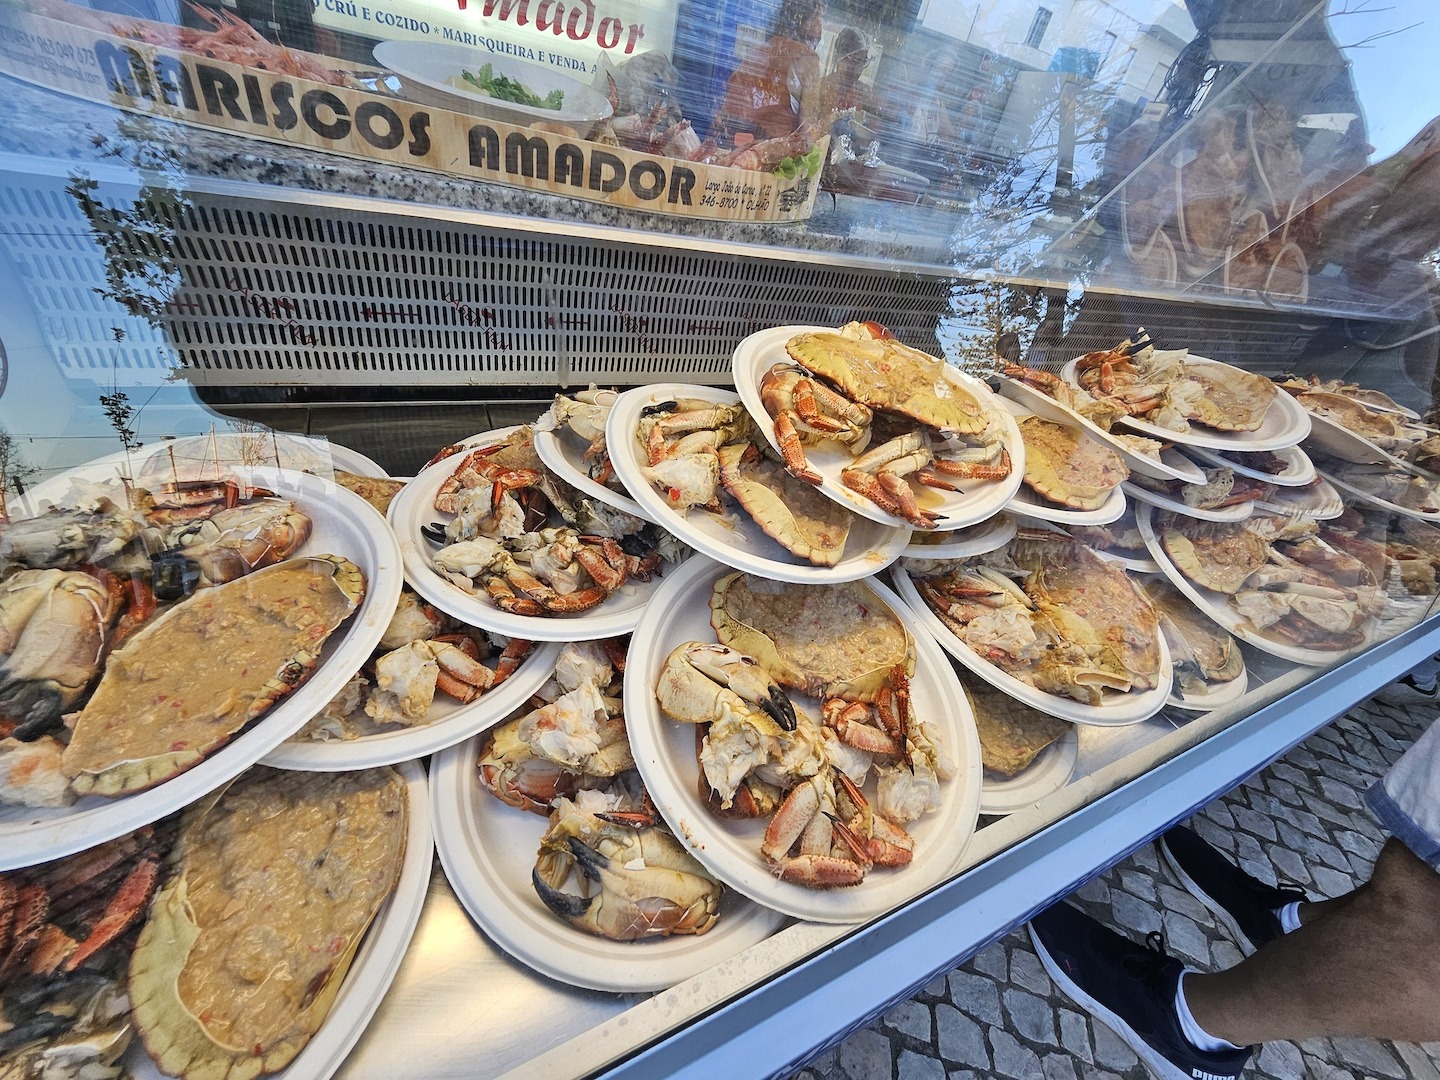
(1368, 964)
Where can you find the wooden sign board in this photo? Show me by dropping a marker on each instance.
(194, 89)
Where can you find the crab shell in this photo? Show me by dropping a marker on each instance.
(883, 374)
(827, 640)
(366, 814)
(157, 753)
(793, 514)
(1067, 467)
(1218, 556)
(1236, 402)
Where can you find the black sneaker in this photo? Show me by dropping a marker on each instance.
(1407, 690)
(1245, 907)
(1130, 989)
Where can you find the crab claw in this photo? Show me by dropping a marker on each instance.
(568, 906)
(746, 677)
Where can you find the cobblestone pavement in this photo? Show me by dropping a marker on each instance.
(1000, 1016)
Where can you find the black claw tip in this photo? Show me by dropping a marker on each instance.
(566, 905)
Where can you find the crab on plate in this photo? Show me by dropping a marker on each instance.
(858, 386)
(1067, 467)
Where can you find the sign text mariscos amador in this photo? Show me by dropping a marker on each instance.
(197, 90)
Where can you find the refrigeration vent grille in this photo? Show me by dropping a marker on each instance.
(272, 297)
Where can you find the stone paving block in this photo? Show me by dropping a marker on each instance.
(1302, 820)
(1184, 939)
(1253, 822)
(1289, 865)
(1318, 1069)
(1095, 891)
(1301, 758)
(827, 1064)
(1418, 1065)
(1026, 969)
(913, 1066)
(1288, 773)
(1371, 1055)
(1030, 1016)
(960, 1039)
(1174, 898)
(992, 962)
(1260, 871)
(1342, 794)
(1326, 812)
(976, 995)
(1089, 1073)
(1247, 847)
(1135, 916)
(1058, 1067)
(1011, 1059)
(865, 1055)
(1281, 1060)
(1075, 1034)
(1111, 1050)
(1332, 883)
(1146, 858)
(961, 1074)
(1218, 838)
(1224, 954)
(935, 987)
(1220, 814)
(1356, 844)
(1138, 884)
(911, 1017)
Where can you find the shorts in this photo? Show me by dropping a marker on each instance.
(1407, 798)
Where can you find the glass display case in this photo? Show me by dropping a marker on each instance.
(456, 403)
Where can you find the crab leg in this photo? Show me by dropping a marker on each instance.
(792, 452)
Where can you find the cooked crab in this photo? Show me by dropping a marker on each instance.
(793, 514)
(1201, 652)
(939, 432)
(1215, 555)
(1385, 430)
(1066, 466)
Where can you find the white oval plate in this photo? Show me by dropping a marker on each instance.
(869, 548)
(761, 351)
(1028, 504)
(414, 506)
(1320, 502)
(1216, 607)
(730, 848)
(1048, 773)
(1221, 694)
(1047, 408)
(1340, 442)
(342, 524)
(1300, 470)
(1238, 512)
(376, 961)
(561, 452)
(274, 449)
(488, 850)
(1376, 500)
(1286, 421)
(1118, 710)
(447, 723)
(431, 63)
(962, 543)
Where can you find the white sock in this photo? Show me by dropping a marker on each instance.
(1190, 1028)
(1289, 917)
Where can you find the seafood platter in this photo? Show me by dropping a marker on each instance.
(123, 957)
(889, 432)
(1407, 492)
(1173, 396)
(1070, 477)
(289, 576)
(570, 439)
(1287, 467)
(961, 543)
(612, 901)
(1349, 424)
(692, 458)
(1317, 500)
(1120, 541)
(432, 682)
(1225, 495)
(1027, 754)
(1209, 667)
(1050, 397)
(1049, 622)
(493, 538)
(1271, 581)
(726, 689)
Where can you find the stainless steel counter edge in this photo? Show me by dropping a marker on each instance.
(767, 1010)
